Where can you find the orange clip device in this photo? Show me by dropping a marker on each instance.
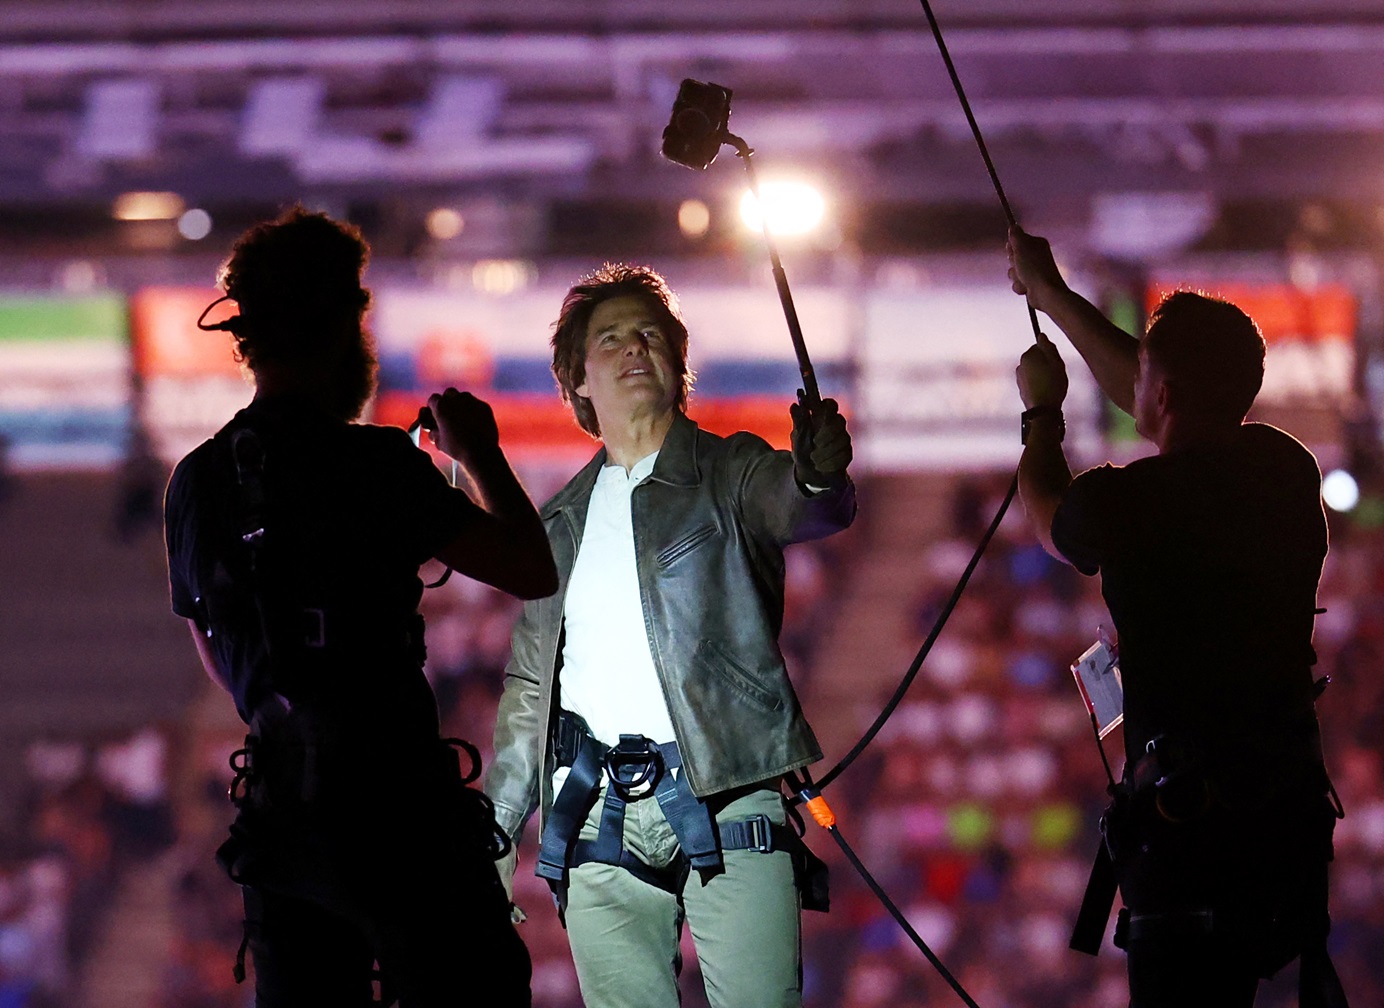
(821, 811)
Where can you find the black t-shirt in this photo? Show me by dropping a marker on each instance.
(351, 511)
(1209, 562)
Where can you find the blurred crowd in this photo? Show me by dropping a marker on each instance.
(96, 808)
(975, 809)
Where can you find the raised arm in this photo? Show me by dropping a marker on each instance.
(1110, 352)
(1044, 474)
(806, 493)
(507, 548)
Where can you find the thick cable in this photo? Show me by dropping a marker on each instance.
(975, 132)
(912, 672)
(966, 108)
(810, 794)
(898, 916)
(922, 654)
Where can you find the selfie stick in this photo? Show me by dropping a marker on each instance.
(808, 394)
(694, 128)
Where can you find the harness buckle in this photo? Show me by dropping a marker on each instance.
(761, 834)
(242, 763)
(634, 766)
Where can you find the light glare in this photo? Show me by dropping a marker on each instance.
(501, 276)
(1340, 491)
(694, 218)
(444, 223)
(141, 206)
(195, 224)
(792, 208)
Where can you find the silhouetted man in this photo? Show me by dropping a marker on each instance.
(295, 538)
(647, 709)
(1209, 554)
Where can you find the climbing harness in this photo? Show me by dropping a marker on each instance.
(636, 769)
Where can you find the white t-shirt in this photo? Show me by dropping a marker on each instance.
(608, 675)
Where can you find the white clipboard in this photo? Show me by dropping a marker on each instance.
(1097, 674)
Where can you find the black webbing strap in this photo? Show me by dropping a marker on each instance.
(689, 817)
(757, 833)
(610, 836)
(630, 765)
(1089, 930)
(669, 878)
(638, 760)
(633, 767)
(573, 802)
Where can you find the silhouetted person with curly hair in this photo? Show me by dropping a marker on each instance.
(295, 537)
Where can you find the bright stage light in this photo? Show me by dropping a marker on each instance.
(141, 206)
(502, 276)
(792, 208)
(1340, 491)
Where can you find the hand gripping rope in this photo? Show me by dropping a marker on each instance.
(692, 138)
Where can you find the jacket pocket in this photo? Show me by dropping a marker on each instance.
(686, 544)
(720, 661)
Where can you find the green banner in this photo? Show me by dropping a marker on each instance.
(98, 317)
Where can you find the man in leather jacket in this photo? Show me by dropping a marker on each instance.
(661, 644)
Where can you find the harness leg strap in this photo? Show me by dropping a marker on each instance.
(1099, 897)
(689, 817)
(569, 811)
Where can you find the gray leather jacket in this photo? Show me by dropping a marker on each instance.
(710, 524)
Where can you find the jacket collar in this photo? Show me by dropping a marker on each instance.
(676, 465)
(677, 458)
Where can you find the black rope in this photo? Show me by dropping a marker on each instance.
(912, 672)
(1100, 745)
(975, 132)
(961, 584)
(937, 626)
(803, 787)
(897, 914)
(966, 107)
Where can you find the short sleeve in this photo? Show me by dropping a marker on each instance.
(178, 538)
(1081, 528)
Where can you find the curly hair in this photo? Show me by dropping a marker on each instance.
(288, 275)
(1210, 352)
(613, 280)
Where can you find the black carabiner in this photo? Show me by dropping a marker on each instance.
(634, 751)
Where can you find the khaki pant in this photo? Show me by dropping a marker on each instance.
(745, 922)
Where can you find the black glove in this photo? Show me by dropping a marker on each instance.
(821, 444)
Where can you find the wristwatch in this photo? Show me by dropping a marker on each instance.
(1027, 417)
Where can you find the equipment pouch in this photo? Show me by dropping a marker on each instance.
(811, 875)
